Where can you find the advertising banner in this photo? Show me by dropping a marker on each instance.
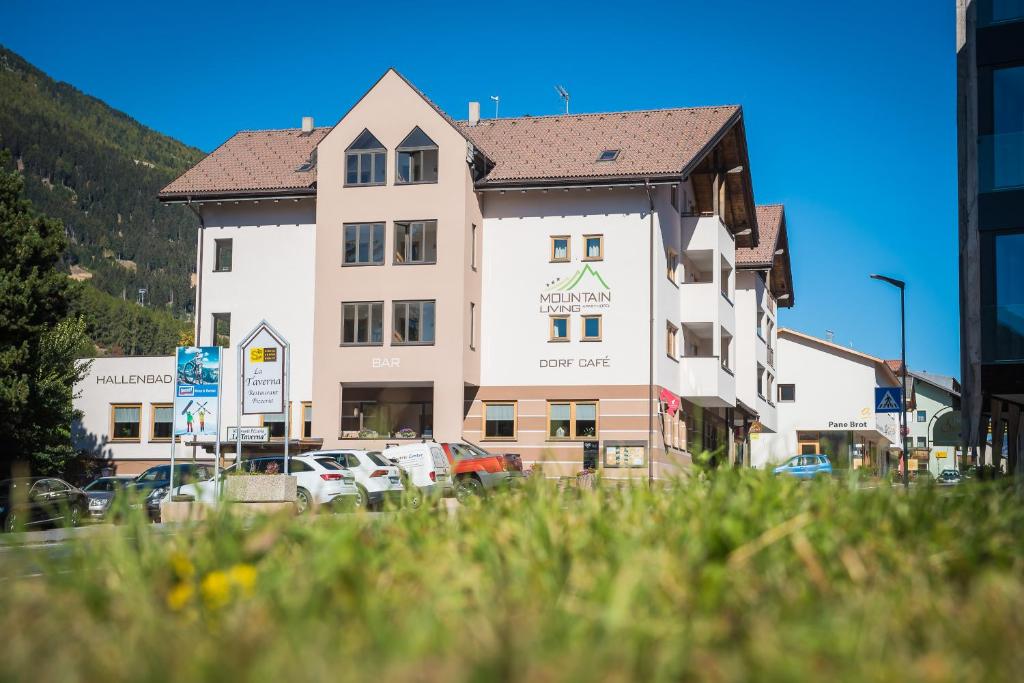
(263, 372)
(196, 391)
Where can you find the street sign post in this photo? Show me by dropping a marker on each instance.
(196, 399)
(888, 400)
(249, 434)
(263, 372)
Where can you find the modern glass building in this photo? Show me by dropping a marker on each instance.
(990, 121)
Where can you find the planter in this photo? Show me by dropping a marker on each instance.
(260, 488)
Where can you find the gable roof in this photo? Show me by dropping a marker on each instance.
(943, 382)
(833, 347)
(771, 224)
(564, 147)
(251, 163)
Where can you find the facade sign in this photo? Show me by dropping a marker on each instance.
(888, 400)
(625, 454)
(249, 434)
(196, 391)
(946, 431)
(263, 373)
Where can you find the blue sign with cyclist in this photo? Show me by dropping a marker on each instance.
(196, 389)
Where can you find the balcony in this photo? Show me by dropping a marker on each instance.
(706, 382)
(700, 302)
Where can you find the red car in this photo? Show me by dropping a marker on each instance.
(477, 472)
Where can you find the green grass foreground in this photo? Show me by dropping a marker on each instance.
(738, 577)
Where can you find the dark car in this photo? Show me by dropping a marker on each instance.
(478, 472)
(101, 493)
(150, 487)
(33, 502)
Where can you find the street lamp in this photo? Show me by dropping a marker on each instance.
(902, 286)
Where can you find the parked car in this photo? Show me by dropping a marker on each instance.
(949, 478)
(478, 472)
(806, 466)
(320, 480)
(150, 487)
(33, 502)
(101, 493)
(377, 480)
(426, 469)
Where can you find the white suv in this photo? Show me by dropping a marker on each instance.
(320, 480)
(378, 480)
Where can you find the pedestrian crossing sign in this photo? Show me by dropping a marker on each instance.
(888, 399)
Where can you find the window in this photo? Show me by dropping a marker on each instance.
(922, 442)
(362, 322)
(608, 155)
(221, 329)
(559, 248)
(416, 242)
(472, 247)
(760, 380)
(1005, 318)
(725, 352)
(591, 328)
(364, 244)
(365, 161)
(276, 423)
(500, 420)
(559, 328)
(593, 247)
(413, 322)
(770, 388)
(671, 332)
(307, 420)
(472, 325)
(671, 264)
(417, 159)
(163, 422)
(787, 392)
(222, 256)
(124, 421)
(922, 416)
(572, 420)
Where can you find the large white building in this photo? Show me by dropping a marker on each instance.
(553, 286)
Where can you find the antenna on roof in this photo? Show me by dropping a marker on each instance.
(829, 335)
(564, 94)
(496, 99)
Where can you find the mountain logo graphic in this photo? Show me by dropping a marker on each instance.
(570, 283)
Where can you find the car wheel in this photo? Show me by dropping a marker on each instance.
(467, 488)
(11, 523)
(413, 497)
(303, 501)
(361, 500)
(74, 516)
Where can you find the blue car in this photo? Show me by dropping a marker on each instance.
(805, 466)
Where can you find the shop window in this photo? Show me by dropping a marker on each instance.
(413, 322)
(275, 421)
(572, 420)
(922, 416)
(221, 329)
(500, 420)
(364, 244)
(416, 242)
(375, 413)
(417, 159)
(163, 422)
(591, 328)
(560, 249)
(593, 247)
(559, 328)
(307, 420)
(362, 323)
(222, 255)
(125, 421)
(365, 161)
(787, 392)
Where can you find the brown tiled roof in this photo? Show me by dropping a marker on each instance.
(894, 365)
(251, 162)
(769, 226)
(539, 148)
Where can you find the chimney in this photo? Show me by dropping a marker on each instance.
(474, 113)
(307, 124)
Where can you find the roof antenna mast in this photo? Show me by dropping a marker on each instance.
(564, 94)
(497, 100)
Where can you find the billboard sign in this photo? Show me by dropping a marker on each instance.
(263, 372)
(197, 390)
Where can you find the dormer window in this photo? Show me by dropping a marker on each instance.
(417, 159)
(365, 161)
(609, 155)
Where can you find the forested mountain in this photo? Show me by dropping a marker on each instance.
(98, 171)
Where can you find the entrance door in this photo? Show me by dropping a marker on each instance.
(808, 443)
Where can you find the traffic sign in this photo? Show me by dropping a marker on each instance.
(888, 400)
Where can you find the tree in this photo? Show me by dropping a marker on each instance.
(38, 344)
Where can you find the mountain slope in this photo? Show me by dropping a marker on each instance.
(98, 171)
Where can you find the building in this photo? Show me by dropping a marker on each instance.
(826, 396)
(990, 121)
(933, 422)
(569, 287)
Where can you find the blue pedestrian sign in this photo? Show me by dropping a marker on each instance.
(888, 400)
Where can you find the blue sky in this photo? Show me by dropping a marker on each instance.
(849, 107)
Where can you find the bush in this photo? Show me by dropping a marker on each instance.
(738, 576)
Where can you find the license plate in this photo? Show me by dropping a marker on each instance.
(394, 480)
(442, 477)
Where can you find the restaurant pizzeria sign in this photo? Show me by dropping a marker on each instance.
(264, 372)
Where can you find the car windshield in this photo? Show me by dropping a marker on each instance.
(154, 474)
(329, 463)
(101, 485)
(377, 459)
(476, 450)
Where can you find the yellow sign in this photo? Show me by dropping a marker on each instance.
(256, 355)
(912, 463)
(263, 354)
(940, 454)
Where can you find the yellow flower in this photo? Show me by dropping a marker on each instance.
(216, 589)
(243, 576)
(179, 596)
(182, 566)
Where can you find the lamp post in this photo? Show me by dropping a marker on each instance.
(902, 286)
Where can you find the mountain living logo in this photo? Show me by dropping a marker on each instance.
(583, 290)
